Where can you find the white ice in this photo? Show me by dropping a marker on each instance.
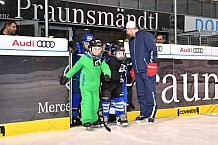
(196, 130)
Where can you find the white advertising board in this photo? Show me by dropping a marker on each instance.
(214, 51)
(33, 46)
(190, 50)
(187, 51)
(163, 50)
(200, 23)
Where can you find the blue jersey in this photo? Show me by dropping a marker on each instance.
(81, 51)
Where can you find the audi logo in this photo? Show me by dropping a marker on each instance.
(198, 50)
(159, 48)
(45, 44)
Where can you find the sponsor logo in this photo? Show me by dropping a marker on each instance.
(198, 50)
(91, 15)
(45, 44)
(49, 107)
(192, 50)
(188, 111)
(159, 48)
(97, 62)
(206, 24)
(186, 80)
(188, 50)
(89, 38)
(23, 43)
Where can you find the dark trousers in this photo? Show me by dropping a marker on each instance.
(146, 93)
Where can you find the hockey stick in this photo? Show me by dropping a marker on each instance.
(102, 111)
(105, 126)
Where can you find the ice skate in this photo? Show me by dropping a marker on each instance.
(150, 120)
(121, 120)
(97, 124)
(105, 120)
(76, 121)
(139, 119)
(88, 126)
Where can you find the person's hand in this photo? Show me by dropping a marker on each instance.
(151, 69)
(63, 80)
(107, 78)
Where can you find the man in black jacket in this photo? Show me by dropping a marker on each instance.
(143, 53)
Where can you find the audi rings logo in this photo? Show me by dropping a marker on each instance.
(45, 44)
(198, 50)
(159, 48)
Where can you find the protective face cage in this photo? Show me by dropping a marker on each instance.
(95, 43)
(114, 49)
(117, 48)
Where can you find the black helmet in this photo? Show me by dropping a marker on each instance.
(115, 47)
(95, 43)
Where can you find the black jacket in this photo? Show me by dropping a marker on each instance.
(114, 66)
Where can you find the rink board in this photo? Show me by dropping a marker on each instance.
(64, 123)
(180, 112)
(17, 128)
(31, 98)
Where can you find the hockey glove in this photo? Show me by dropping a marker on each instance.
(132, 73)
(107, 78)
(151, 69)
(63, 80)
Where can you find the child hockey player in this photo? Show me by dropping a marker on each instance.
(82, 48)
(76, 50)
(91, 66)
(113, 89)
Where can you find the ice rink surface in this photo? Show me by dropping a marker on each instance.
(195, 130)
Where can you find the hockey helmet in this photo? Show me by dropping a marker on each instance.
(107, 46)
(88, 37)
(95, 43)
(117, 50)
(95, 47)
(114, 48)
